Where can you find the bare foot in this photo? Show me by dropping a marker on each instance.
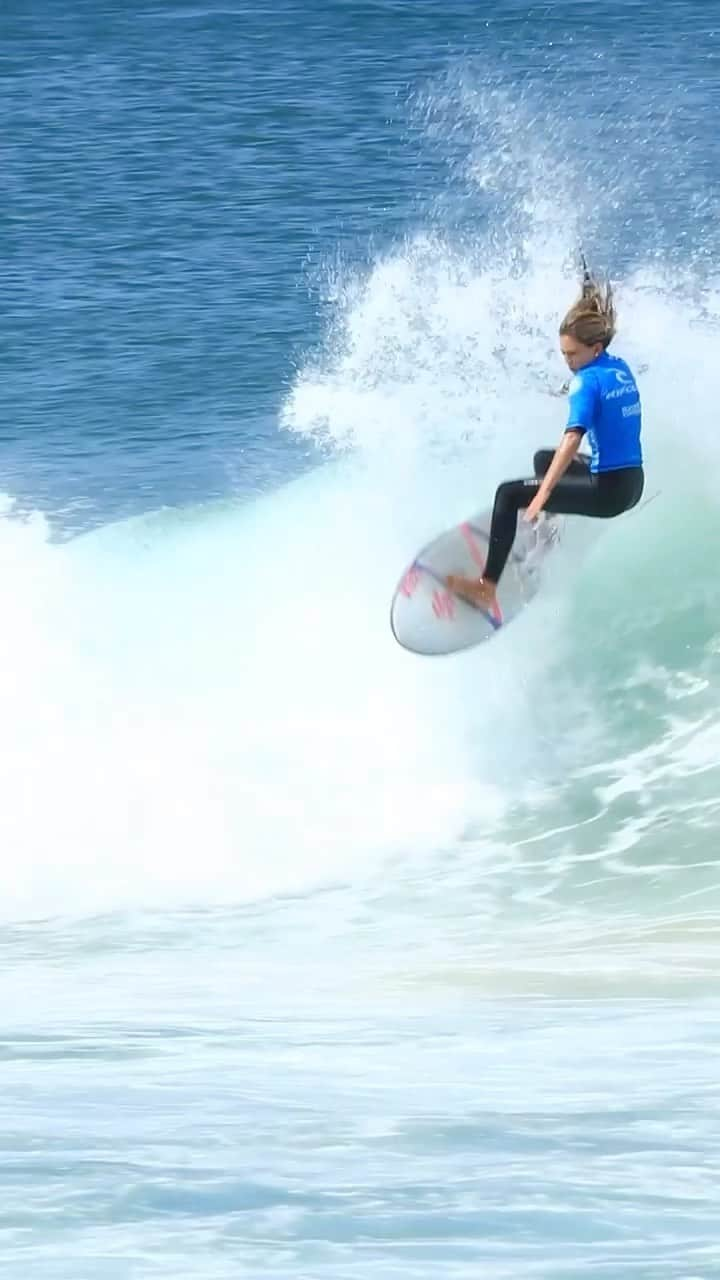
(477, 591)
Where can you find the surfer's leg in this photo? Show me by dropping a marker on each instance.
(575, 489)
(511, 497)
(602, 496)
(514, 496)
(542, 461)
(578, 493)
(579, 466)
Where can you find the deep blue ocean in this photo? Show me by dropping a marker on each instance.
(321, 961)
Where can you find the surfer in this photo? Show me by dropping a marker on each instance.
(605, 405)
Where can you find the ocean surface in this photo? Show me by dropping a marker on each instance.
(318, 960)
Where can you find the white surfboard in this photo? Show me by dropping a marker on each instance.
(428, 618)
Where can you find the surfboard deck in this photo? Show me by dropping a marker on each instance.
(429, 619)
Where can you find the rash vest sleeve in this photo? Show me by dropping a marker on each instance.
(583, 397)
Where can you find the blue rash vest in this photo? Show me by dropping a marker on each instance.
(605, 403)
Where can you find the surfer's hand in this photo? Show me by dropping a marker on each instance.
(533, 511)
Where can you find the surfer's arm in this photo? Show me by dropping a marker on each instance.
(562, 458)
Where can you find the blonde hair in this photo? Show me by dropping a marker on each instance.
(592, 318)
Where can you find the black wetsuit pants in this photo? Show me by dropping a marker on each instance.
(579, 492)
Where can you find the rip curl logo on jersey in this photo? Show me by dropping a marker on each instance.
(626, 388)
(575, 385)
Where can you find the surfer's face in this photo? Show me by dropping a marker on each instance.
(576, 354)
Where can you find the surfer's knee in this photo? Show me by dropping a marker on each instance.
(502, 495)
(510, 496)
(542, 461)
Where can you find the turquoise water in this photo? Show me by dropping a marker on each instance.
(318, 959)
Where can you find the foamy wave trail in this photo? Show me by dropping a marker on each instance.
(207, 705)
